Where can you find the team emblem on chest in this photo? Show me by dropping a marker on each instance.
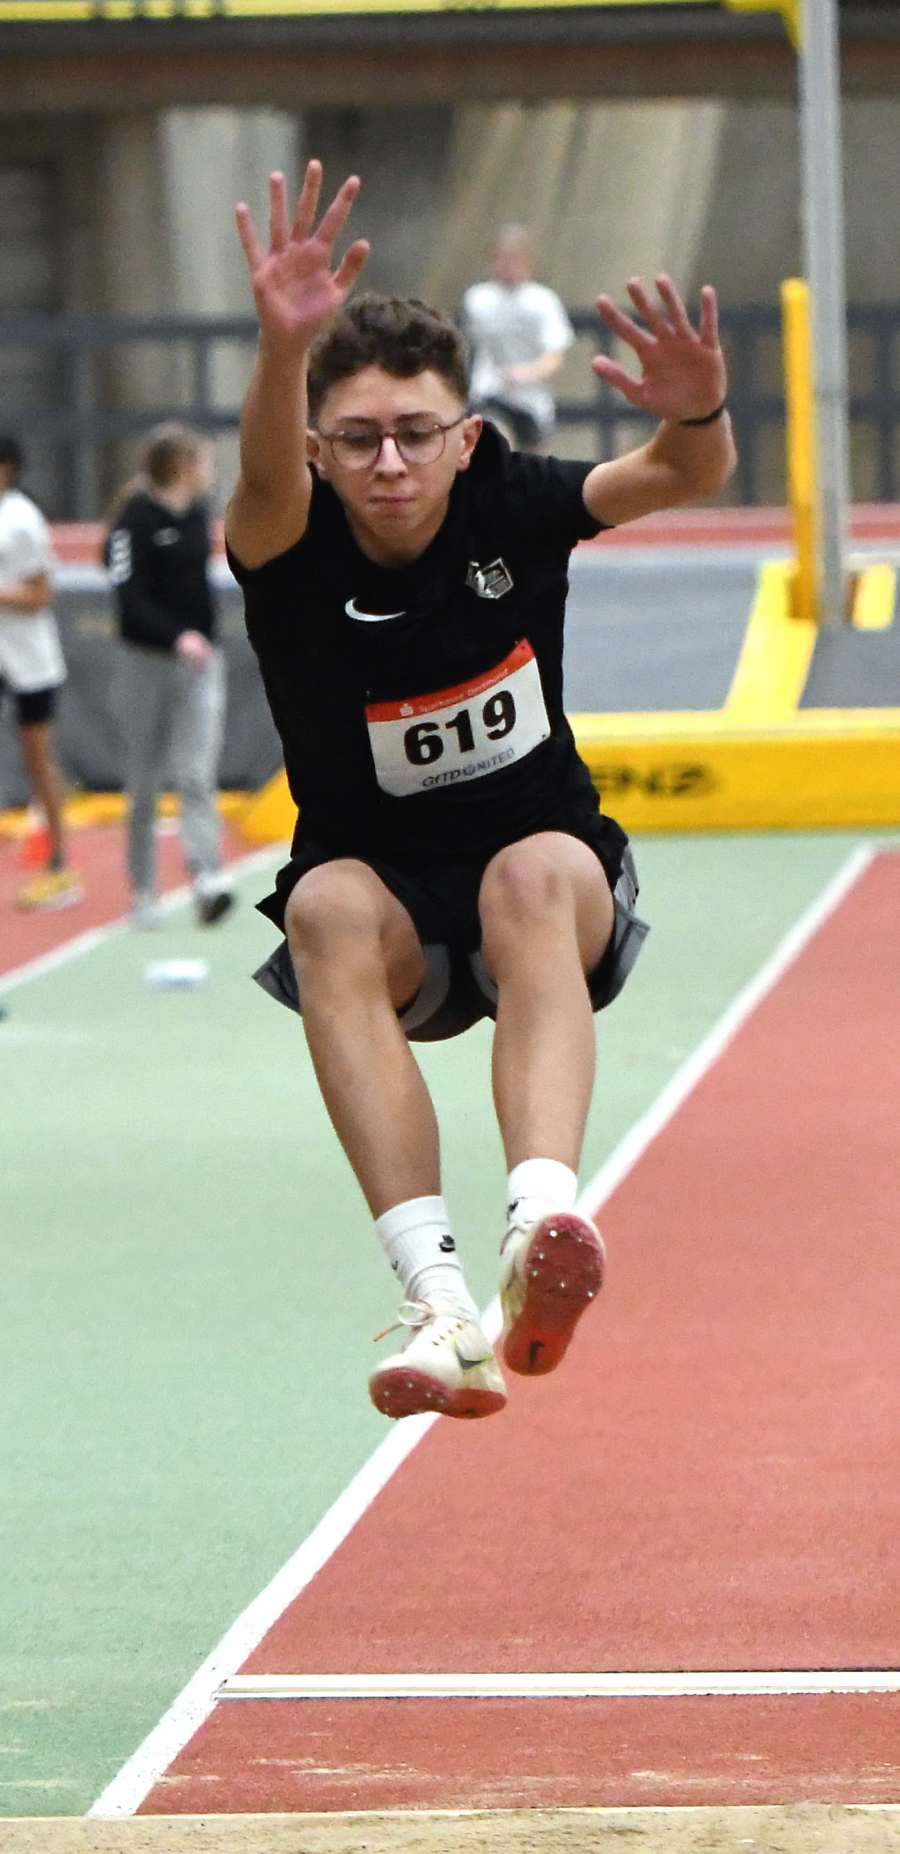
(490, 582)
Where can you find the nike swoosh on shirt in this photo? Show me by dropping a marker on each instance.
(370, 617)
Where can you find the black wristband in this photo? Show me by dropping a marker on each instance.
(710, 418)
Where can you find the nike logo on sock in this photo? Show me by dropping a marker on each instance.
(447, 1244)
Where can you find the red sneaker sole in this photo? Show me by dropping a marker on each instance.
(564, 1268)
(412, 1393)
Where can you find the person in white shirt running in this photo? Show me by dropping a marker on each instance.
(32, 668)
(518, 331)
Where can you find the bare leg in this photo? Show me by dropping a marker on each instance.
(358, 959)
(36, 742)
(547, 915)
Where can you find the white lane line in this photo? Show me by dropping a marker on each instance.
(713, 1045)
(126, 1792)
(194, 1704)
(96, 936)
(678, 1684)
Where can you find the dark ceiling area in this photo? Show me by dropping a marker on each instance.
(461, 54)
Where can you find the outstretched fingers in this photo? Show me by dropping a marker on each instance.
(678, 315)
(339, 210)
(623, 326)
(350, 265)
(308, 203)
(278, 219)
(253, 250)
(709, 317)
(646, 307)
(615, 376)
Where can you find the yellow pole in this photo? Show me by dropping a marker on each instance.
(801, 466)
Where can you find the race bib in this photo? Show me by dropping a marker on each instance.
(434, 741)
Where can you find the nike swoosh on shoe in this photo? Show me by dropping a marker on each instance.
(545, 1289)
(471, 1364)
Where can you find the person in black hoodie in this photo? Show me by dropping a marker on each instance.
(170, 683)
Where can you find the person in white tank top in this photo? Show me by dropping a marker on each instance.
(32, 668)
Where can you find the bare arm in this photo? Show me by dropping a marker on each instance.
(542, 368)
(26, 596)
(682, 378)
(296, 294)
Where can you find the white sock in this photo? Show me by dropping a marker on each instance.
(538, 1186)
(418, 1242)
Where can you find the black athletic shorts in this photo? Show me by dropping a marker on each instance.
(442, 903)
(33, 706)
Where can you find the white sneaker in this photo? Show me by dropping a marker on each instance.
(446, 1365)
(550, 1272)
(146, 913)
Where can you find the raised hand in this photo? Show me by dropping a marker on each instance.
(294, 287)
(682, 368)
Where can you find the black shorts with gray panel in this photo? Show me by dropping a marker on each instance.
(442, 903)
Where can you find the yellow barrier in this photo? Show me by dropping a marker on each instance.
(270, 814)
(74, 10)
(761, 762)
(94, 810)
(55, 11)
(801, 473)
(876, 597)
(693, 772)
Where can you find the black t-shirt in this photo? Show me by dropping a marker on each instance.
(420, 707)
(158, 565)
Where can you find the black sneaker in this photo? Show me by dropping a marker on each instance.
(214, 906)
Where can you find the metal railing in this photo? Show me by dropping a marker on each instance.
(87, 409)
(751, 338)
(80, 407)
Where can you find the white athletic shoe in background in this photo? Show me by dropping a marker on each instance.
(214, 897)
(146, 913)
(550, 1272)
(446, 1365)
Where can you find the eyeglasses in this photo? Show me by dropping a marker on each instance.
(419, 441)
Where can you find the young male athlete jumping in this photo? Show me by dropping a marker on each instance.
(404, 576)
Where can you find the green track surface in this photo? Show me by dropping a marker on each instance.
(191, 1284)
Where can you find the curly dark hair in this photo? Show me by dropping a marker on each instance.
(397, 333)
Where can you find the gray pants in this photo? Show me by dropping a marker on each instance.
(172, 718)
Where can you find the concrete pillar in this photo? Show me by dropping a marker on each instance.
(168, 187)
(210, 159)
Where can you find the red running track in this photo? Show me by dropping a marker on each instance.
(711, 1481)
